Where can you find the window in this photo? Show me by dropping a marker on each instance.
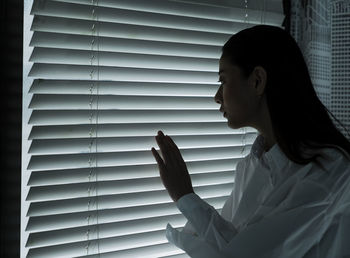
(100, 79)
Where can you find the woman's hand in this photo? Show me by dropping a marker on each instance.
(173, 170)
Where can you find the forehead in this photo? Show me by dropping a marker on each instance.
(226, 66)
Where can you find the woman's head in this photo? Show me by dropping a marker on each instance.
(240, 96)
(268, 67)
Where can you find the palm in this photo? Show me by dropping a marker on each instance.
(172, 168)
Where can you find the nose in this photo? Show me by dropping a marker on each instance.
(218, 96)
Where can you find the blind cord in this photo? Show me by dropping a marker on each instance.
(246, 11)
(93, 134)
(97, 116)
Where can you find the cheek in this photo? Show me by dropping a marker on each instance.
(234, 100)
(240, 106)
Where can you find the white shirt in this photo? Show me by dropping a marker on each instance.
(277, 208)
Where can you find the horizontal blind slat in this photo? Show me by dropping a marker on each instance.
(118, 201)
(124, 45)
(108, 230)
(82, 27)
(77, 219)
(80, 175)
(110, 59)
(86, 102)
(64, 117)
(107, 245)
(123, 16)
(85, 72)
(235, 11)
(83, 87)
(77, 190)
(132, 129)
(162, 250)
(104, 231)
(128, 144)
(70, 161)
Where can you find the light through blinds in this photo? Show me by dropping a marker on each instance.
(101, 77)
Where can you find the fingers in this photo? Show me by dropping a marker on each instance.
(155, 154)
(169, 149)
(157, 157)
(174, 148)
(164, 148)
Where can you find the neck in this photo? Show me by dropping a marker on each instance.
(268, 143)
(265, 128)
(263, 124)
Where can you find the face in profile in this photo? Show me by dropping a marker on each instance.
(237, 95)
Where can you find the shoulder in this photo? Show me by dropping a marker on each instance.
(334, 156)
(337, 151)
(244, 171)
(328, 156)
(332, 168)
(336, 180)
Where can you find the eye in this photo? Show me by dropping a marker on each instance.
(221, 82)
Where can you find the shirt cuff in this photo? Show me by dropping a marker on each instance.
(197, 211)
(187, 198)
(191, 201)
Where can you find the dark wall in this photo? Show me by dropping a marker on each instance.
(11, 116)
(286, 12)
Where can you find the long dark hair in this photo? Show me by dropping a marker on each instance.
(299, 119)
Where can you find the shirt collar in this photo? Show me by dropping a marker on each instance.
(274, 156)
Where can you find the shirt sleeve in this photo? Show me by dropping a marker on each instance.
(231, 203)
(304, 231)
(207, 232)
(307, 216)
(217, 238)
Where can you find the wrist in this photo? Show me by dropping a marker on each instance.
(182, 195)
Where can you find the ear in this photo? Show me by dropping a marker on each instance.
(259, 77)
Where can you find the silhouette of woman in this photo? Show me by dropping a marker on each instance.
(291, 196)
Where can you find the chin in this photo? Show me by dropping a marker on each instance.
(234, 125)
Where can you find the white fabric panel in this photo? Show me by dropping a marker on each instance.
(104, 77)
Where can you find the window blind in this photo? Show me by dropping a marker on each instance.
(101, 77)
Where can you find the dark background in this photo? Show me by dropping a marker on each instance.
(11, 119)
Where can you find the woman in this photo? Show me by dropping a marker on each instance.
(291, 196)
